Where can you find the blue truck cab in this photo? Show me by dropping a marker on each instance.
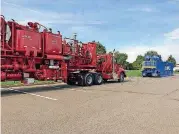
(153, 66)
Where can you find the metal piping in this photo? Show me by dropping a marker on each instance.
(67, 57)
(113, 58)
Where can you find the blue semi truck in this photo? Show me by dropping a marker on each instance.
(153, 66)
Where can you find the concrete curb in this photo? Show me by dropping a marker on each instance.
(33, 86)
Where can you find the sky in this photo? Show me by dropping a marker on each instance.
(129, 26)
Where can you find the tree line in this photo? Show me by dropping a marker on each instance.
(121, 58)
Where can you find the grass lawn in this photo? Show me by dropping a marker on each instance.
(137, 73)
(133, 73)
(18, 83)
(176, 72)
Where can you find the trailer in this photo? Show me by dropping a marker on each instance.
(29, 53)
(153, 66)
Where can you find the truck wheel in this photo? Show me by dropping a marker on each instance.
(98, 79)
(121, 79)
(158, 74)
(105, 80)
(69, 82)
(88, 79)
(81, 81)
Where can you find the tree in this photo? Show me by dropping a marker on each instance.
(128, 66)
(100, 48)
(137, 64)
(121, 58)
(152, 53)
(171, 59)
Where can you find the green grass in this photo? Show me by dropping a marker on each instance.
(10, 83)
(133, 73)
(176, 72)
(137, 73)
(18, 83)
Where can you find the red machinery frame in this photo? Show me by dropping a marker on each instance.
(26, 52)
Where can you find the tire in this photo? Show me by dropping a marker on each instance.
(121, 79)
(158, 74)
(143, 75)
(69, 82)
(81, 81)
(105, 80)
(98, 79)
(88, 80)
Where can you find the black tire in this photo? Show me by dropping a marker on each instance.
(158, 74)
(143, 75)
(105, 80)
(69, 82)
(81, 81)
(98, 79)
(121, 79)
(88, 79)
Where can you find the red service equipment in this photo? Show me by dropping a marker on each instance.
(87, 68)
(27, 52)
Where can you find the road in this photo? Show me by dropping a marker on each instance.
(137, 106)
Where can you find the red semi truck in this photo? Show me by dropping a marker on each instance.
(26, 52)
(87, 68)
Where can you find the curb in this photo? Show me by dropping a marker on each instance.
(34, 86)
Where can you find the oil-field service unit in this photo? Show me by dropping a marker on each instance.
(155, 67)
(28, 53)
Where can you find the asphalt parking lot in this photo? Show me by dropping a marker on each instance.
(137, 106)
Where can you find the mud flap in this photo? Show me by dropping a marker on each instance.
(64, 71)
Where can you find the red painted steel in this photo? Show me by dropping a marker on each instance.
(28, 52)
(28, 42)
(105, 66)
(53, 43)
(24, 49)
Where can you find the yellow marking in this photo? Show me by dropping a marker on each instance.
(148, 67)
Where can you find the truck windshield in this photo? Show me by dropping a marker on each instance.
(149, 63)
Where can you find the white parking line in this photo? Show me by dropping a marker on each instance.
(81, 90)
(49, 98)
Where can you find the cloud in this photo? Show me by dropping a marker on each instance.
(174, 0)
(85, 33)
(144, 9)
(84, 22)
(80, 28)
(173, 35)
(45, 17)
(164, 50)
(19, 6)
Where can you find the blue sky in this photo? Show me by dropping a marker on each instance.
(130, 26)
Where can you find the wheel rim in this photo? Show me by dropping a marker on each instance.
(89, 80)
(122, 77)
(99, 79)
